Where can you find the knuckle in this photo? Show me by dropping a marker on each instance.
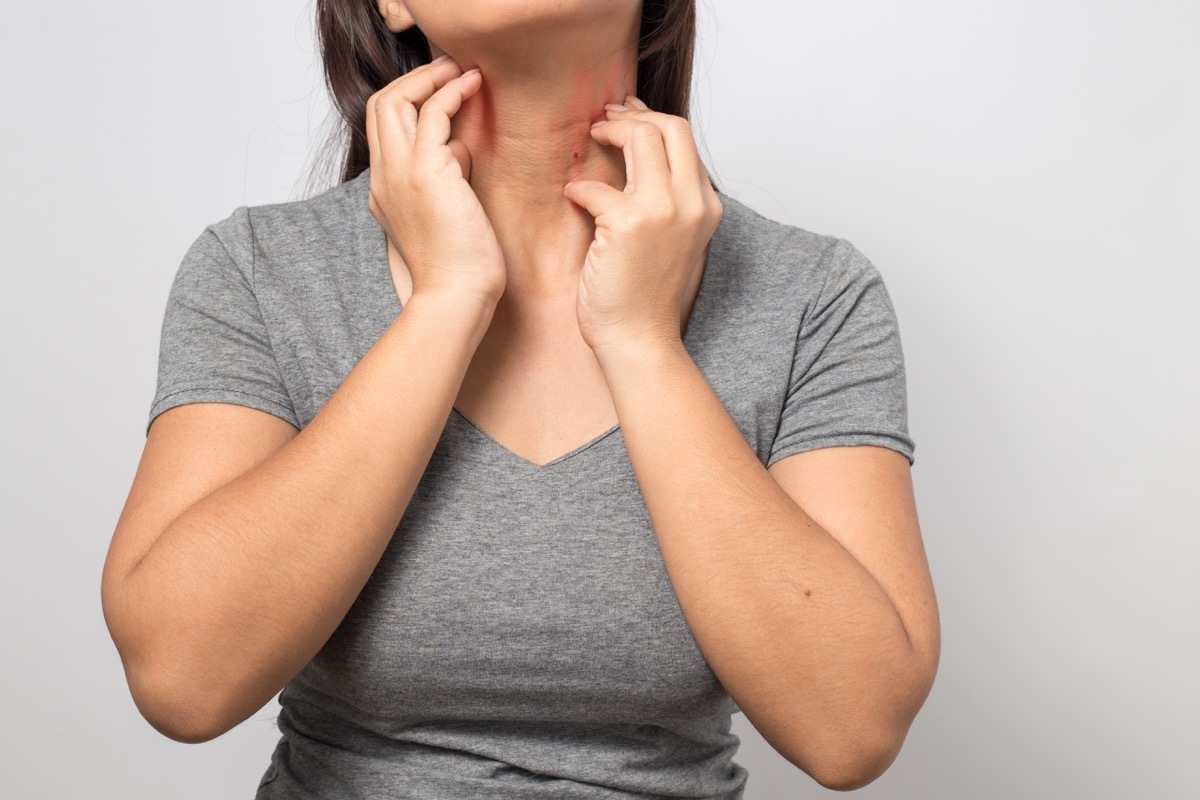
(422, 173)
(716, 209)
(644, 129)
(679, 125)
(386, 97)
(435, 102)
(626, 221)
(694, 213)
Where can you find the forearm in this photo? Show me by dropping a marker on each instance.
(800, 634)
(241, 590)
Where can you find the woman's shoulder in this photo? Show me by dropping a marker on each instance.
(324, 225)
(330, 210)
(747, 223)
(336, 211)
(781, 259)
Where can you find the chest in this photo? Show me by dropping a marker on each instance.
(514, 592)
(533, 387)
(525, 578)
(538, 406)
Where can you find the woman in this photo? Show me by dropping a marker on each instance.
(522, 458)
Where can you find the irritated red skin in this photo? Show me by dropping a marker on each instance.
(487, 121)
(583, 110)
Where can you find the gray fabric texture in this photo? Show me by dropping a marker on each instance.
(520, 637)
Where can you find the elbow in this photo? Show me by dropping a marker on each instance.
(851, 747)
(856, 765)
(847, 759)
(184, 697)
(175, 701)
(167, 693)
(177, 705)
(185, 726)
(852, 756)
(854, 770)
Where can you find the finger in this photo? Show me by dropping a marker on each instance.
(596, 197)
(372, 135)
(397, 103)
(646, 165)
(418, 85)
(433, 127)
(682, 157)
(374, 156)
(462, 155)
(395, 127)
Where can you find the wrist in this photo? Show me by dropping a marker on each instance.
(454, 309)
(647, 351)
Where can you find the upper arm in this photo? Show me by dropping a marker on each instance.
(847, 385)
(221, 405)
(191, 450)
(863, 497)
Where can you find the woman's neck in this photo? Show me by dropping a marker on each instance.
(528, 130)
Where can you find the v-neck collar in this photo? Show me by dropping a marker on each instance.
(373, 264)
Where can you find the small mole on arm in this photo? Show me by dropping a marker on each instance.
(808, 592)
(574, 156)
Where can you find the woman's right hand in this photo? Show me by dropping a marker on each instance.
(419, 192)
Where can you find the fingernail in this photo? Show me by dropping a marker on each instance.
(598, 123)
(630, 100)
(444, 57)
(471, 71)
(614, 107)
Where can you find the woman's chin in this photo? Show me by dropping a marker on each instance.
(515, 26)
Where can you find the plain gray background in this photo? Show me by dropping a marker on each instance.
(1023, 173)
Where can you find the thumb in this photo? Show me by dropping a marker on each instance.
(595, 196)
(462, 155)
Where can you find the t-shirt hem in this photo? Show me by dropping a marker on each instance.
(845, 440)
(211, 394)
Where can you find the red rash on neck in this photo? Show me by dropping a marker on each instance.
(579, 114)
(487, 121)
(585, 110)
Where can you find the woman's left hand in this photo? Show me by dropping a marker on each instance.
(651, 239)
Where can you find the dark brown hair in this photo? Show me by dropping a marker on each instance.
(361, 56)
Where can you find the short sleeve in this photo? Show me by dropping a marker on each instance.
(214, 346)
(847, 384)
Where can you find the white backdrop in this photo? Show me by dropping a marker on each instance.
(1023, 173)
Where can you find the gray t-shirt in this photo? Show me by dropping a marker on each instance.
(520, 637)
